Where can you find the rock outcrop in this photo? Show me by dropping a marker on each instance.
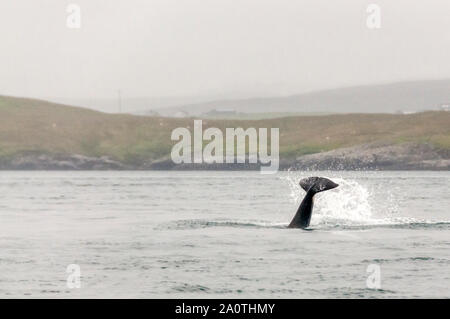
(406, 156)
(35, 161)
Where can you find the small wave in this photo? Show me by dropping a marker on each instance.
(191, 288)
(202, 223)
(441, 225)
(358, 292)
(407, 259)
(330, 225)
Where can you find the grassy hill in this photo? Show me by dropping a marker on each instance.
(28, 125)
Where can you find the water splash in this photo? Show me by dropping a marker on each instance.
(347, 205)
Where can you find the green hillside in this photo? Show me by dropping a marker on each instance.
(28, 125)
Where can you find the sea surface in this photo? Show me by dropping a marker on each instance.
(223, 235)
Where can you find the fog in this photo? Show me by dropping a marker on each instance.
(216, 48)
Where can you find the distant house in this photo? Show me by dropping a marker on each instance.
(181, 114)
(405, 112)
(220, 112)
(445, 107)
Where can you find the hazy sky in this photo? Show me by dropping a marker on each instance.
(152, 48)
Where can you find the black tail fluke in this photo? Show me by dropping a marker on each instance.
(311, 185)
(317, 184)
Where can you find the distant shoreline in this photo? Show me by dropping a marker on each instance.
(370, 157)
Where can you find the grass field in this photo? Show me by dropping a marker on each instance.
(257, 116)
(33, 125)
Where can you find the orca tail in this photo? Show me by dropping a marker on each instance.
(317, 184)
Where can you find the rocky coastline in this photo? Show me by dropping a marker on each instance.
(406, 156)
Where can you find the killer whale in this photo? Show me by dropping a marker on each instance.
(312, 186)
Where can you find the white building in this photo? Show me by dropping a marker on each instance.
(445, 107)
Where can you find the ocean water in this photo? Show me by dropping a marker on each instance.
(223, 235)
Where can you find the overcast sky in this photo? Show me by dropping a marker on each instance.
(154, 48)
